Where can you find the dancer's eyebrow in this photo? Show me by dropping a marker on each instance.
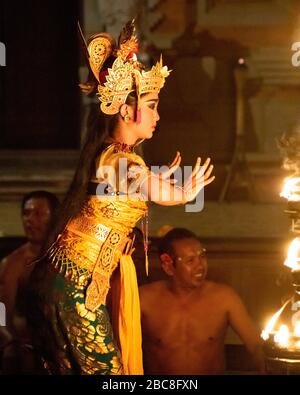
(152, 100)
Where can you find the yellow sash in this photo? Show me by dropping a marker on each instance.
(130, 333)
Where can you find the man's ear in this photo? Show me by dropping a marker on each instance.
(167, 264)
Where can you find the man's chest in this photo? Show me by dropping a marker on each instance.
(194, 321)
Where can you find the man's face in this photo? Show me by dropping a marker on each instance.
(36, 216)
(189, 263)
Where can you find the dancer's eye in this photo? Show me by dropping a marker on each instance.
(152, 106)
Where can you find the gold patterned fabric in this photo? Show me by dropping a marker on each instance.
(85, 341)
(86, 254)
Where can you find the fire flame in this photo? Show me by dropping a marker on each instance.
(297, 329)
(282, 336)
(293, 260)
(285, 336)
(291, 189)
(271, 323)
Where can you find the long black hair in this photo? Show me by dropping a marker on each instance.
(99, 127)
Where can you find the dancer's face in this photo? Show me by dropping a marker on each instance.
(149, 116)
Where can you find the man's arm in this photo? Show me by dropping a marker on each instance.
(8, 289)
(243, 325)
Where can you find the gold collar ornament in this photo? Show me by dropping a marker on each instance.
(118, 72)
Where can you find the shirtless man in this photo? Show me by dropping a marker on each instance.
(185, 318)
(38, 212)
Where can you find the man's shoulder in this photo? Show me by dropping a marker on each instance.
(223, 295)
(16, 253)
(155, 285)
(14, 257)
(220, 289)
(151, 294)
(153, 289)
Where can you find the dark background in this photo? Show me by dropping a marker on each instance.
(39, 92)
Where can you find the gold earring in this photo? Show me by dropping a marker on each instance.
(127, 118)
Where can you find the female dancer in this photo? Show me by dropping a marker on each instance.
(106, 199)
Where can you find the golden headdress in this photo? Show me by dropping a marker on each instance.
(117, 70)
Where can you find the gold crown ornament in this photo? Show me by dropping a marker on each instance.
(118, 71)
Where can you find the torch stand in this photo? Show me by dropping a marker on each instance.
(284, 358)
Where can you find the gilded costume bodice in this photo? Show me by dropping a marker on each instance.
(89, 249)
